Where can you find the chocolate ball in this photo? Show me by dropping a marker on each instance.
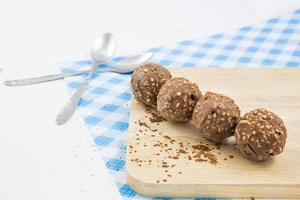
(215, 116)
(146, 82)
(260, 134)
(177, 98)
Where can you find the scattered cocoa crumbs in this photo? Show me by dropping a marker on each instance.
(145, 125)
(165, 148)
(201, 147)
(154, 116)
(202, 153)
(231, 156)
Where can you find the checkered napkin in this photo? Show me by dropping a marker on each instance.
(104, 107)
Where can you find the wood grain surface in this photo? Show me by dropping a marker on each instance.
(167, 159)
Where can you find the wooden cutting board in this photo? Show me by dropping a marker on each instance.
(167, 159)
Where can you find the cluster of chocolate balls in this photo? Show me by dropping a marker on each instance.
(259, 134)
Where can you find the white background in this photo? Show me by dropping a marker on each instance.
(39, 160)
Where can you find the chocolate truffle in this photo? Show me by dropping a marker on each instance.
(146, 82)
(260, 134)
(215, 116)
(177, 98)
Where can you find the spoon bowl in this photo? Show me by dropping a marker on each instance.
(131, 63)
(104, 48)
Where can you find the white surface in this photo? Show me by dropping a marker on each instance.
(40, 160)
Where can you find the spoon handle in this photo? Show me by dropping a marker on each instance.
(41, 79)
(67, 111)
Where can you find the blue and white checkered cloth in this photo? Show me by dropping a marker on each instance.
(104, 107)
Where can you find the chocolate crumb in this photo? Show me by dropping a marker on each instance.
(167, 137)
(182, 151)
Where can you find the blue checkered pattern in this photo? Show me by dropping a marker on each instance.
(104, 107)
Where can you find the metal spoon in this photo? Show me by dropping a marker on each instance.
(127, 65)
(103, 49)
